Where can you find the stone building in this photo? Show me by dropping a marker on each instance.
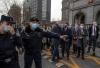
(37, 8)
(81, 11)
(26, 10)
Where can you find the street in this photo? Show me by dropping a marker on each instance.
(73, 62)
(45, 63)
(64, 33)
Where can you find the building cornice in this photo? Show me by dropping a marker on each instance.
(85, 6)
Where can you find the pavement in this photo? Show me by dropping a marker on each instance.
(45, 63)
(73, 62)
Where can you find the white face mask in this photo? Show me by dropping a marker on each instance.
(81, 26)
(94, 23)
(35, 26)
(5, 29)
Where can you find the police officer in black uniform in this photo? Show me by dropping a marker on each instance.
(9, 42)
(32, 39)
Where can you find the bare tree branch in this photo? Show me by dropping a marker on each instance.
(8, 3)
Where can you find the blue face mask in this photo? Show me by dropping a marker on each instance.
(5, 29)
(35, 26)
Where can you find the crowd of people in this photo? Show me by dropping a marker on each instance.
(31, 39)
(80, 40)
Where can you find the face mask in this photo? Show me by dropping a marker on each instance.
(94, 23)
(81, 26)
(34, 26)
(5, 29)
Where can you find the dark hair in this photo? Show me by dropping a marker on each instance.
(3, 18)
(9, 19)
(34, 19)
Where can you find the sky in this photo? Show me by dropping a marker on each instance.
(56, 6)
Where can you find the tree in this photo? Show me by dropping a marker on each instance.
(6, 4)
(15, 12)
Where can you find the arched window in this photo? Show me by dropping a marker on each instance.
(79, 18)
(98, 17)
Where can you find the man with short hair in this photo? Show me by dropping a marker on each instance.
(93, 36)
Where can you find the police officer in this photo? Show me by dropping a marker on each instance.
(9, 42)
(32, 39)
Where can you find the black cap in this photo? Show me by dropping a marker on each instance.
(37, 19)
(3, 18)
(34, 19)
(9, 19)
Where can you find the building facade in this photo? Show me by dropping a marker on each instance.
(26, 10)
(37, 8)
(81, 11)
(65, 10)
